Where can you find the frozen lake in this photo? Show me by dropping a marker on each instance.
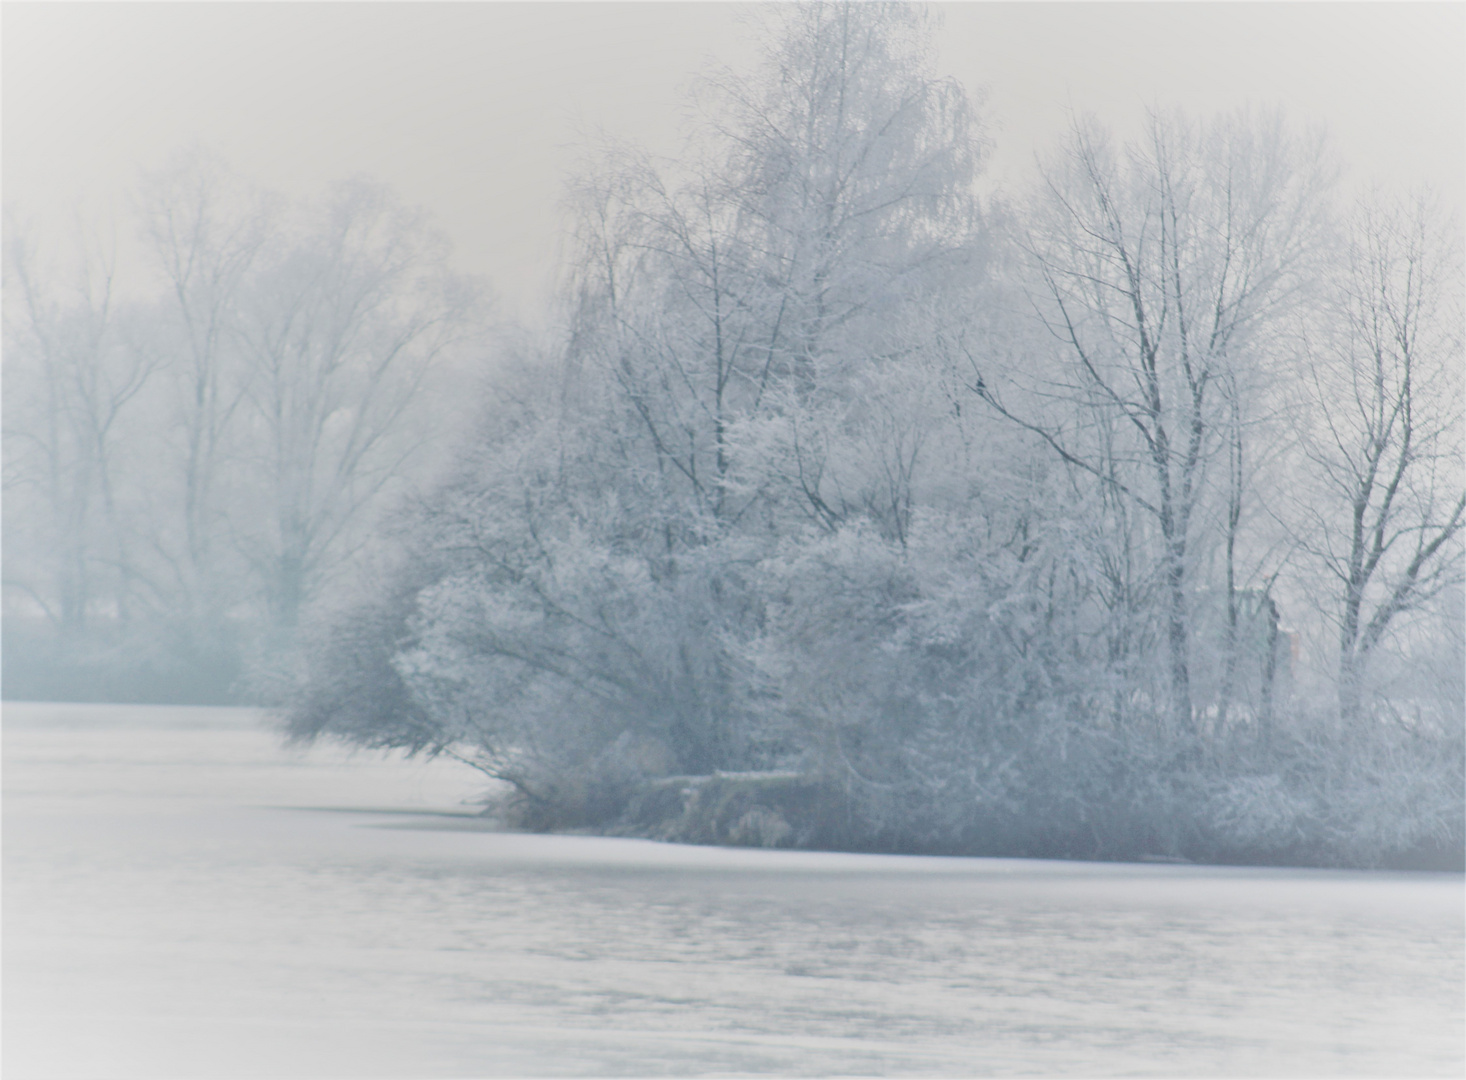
(184, 898)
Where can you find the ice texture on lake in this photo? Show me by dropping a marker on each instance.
(186, 898)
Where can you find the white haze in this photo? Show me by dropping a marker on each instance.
(476, 111)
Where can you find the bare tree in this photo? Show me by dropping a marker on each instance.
(339, 332)
(1384, 426)
(190, 470)
(1154, 270)
(205, 228)
(71, 375)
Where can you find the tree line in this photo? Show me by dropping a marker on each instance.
(1116, 517)
(1119, 518)
(191, 456)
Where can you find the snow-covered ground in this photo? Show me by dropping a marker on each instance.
(185, 898)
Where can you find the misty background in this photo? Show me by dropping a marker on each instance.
(477, 112)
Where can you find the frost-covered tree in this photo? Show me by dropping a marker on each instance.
(730, 313)
(760, 274)
(966, 536)
(1382, 427)
(1156, 269)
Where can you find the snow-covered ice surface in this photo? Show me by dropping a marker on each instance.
(186, 898)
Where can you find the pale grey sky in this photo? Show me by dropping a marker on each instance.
(472, 110)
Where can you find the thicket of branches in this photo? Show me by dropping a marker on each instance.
(1120, 520)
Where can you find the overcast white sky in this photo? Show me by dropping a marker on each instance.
(471, 110)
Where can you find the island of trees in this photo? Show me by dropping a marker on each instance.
(1117, 518)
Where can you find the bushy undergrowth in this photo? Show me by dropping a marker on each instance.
(918, 718)
(1301, 804)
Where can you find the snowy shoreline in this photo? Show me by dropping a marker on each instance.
(187, 898)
